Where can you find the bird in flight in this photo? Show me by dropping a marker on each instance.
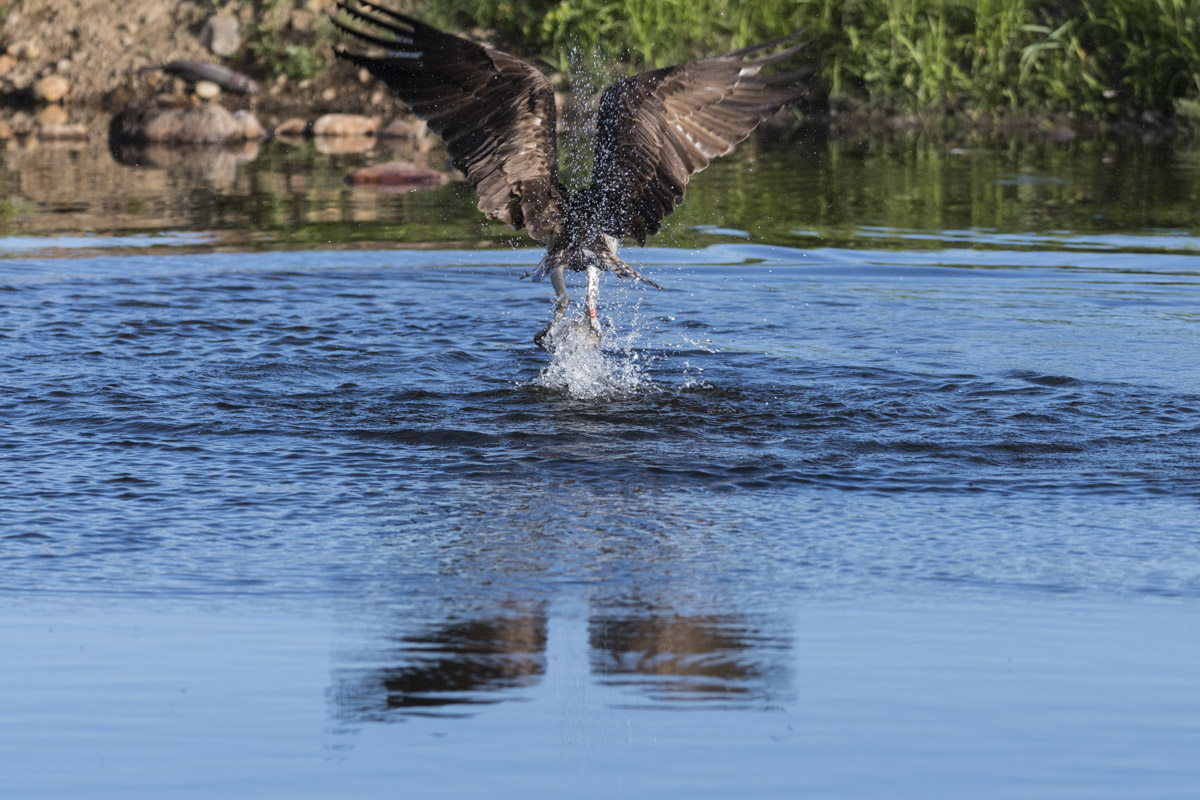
(498, 118)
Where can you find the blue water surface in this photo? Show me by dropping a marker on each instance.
(827, 521)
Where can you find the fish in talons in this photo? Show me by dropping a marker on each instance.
(498, 117)
(587, 326)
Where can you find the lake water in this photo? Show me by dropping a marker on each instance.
(893, 492)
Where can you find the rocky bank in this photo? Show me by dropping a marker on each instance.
(78, 62)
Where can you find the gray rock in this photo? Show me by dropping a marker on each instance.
(220, 35)
(208, 123)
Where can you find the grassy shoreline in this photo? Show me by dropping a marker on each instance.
(999, 66)
(1080, 59)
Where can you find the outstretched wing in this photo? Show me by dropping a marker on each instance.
(495, 112)
(657, 129)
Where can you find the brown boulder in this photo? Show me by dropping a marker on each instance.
(51, 89)
(344, 125)
(404, 128)
(204, 124)
(252, 129)
(294, 127)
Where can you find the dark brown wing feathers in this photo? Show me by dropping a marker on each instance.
(657, 129)
(495, 112)
(497, 115)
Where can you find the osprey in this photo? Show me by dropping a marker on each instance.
(497, 116)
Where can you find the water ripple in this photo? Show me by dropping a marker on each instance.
(401, 415)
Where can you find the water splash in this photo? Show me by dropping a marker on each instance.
(582, 370)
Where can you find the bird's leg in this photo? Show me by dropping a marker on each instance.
(560, 293)
(593, 289)
(560, 308)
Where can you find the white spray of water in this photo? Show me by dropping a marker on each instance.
(630, 360)
(582, 370)
(580, 367)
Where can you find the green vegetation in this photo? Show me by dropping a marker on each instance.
(585, 38)
(896, 192)
(280, 50)
(907, 191)
(1091, 58)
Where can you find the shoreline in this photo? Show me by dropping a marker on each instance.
(26, 120)
(101, 55)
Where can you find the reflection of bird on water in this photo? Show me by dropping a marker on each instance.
(497, 115)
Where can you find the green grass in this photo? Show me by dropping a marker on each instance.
(1091, 58)
(272, 48)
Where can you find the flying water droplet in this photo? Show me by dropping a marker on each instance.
(582, 369)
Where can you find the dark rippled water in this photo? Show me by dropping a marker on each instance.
(254, 398)
(888, 511)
